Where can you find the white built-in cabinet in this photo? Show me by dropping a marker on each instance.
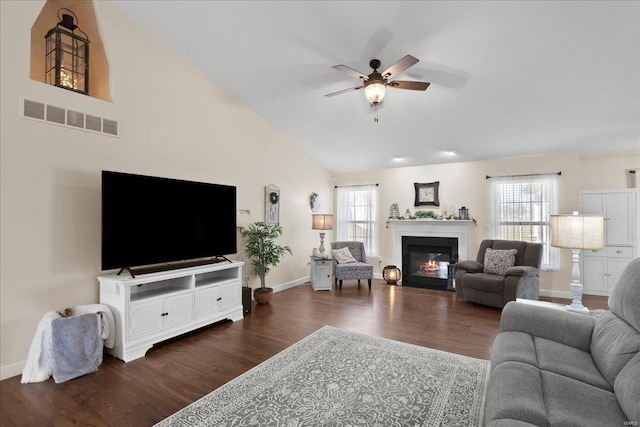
(601, 269)
(154, 307)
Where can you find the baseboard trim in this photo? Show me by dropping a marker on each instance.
(292, 284)
(555, 294)
(12, 370)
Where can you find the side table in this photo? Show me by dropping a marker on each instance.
(321, 270)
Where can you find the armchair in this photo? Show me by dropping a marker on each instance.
(474, 283)
(360, 269)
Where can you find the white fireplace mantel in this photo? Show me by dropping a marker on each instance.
(429, 228)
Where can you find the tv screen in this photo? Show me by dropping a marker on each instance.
(151, 220)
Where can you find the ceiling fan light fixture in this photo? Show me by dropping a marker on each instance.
(374, 91)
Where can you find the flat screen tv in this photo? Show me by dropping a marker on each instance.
(151, 220)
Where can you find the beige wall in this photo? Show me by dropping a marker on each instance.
(464, 184)
(174, 122)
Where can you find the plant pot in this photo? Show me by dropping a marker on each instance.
(263, 295)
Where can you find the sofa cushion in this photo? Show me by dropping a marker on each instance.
(514, 391)
(353, 270)
(342, 255)
(547, 355)
(627, 388)
(499, 261)
(484, 282)
(513, 346)
(570, 362)
(569, 402)
(613, 344)
(625, 295)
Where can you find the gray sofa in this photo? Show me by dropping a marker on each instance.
(551, 367)
(519, 281)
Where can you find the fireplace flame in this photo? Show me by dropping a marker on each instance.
(430, 265)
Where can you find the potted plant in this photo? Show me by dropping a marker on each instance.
(261, 248)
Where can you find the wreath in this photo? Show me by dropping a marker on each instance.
(273, 197)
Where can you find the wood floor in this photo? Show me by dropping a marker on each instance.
(178, 372)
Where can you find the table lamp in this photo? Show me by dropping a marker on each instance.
(321, 222)
(577, 232)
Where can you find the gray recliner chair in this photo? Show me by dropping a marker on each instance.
(474, 284)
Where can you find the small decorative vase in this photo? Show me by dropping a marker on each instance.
(263, 295)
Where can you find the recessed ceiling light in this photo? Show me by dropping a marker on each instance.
(397, 159)
(451, 152)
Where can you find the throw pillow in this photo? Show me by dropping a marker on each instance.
(499, 261)
(342, 255)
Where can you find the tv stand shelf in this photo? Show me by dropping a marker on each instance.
(154, 307)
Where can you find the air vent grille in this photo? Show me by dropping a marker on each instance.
(33, 109)
(73, 119)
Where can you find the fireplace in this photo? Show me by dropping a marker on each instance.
(427, 261)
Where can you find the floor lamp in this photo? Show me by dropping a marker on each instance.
(577, 232)
(321, 222)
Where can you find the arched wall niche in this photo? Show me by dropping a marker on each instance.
(87, 21)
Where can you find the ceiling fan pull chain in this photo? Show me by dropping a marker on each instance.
(375, 113)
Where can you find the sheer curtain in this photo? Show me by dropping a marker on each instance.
(356, 215)
(521, 209)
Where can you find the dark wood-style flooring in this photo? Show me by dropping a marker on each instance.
(175, 373)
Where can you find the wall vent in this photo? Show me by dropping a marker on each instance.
(69, 118)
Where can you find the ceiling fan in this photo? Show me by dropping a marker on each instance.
(376, 83)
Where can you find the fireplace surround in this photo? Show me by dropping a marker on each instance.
(442, 229)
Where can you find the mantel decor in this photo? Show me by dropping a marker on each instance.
(426, 194)
(67, 55)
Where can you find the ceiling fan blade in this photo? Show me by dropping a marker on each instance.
(405, 84)
(344, 91)
(399, 66)
(351, 72)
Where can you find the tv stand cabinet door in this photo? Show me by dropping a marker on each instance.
(177, 310)
(146, 318)
(230, 296)
(206, 302)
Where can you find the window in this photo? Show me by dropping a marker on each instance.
(356, 216)
(521, 209)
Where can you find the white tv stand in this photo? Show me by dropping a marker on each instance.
(154, 307)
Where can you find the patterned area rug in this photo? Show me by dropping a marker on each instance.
(340, 378)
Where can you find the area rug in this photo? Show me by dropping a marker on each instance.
(335, 377)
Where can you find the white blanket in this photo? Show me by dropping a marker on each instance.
(39, 365)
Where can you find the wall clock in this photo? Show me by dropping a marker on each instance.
(427, 193)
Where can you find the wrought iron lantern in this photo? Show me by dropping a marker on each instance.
(463, 213)
(391, 274)
(67, 55)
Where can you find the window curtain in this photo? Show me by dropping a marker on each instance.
(356, 216)
(521, 210)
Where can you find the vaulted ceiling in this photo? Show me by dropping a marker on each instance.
(507, 78)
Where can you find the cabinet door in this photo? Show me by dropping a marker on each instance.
(177, 310)
(618, 225)
(206, 302)
(323, 279)
(146, 318)
(593, 273)
(594, 204)
(614, 270)
(229, 296)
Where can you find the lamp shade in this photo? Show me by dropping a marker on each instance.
(577, 231)
(321, 222)
(374, 91)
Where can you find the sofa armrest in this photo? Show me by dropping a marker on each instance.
(568, 328)
(522, 271)
(470, 266)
